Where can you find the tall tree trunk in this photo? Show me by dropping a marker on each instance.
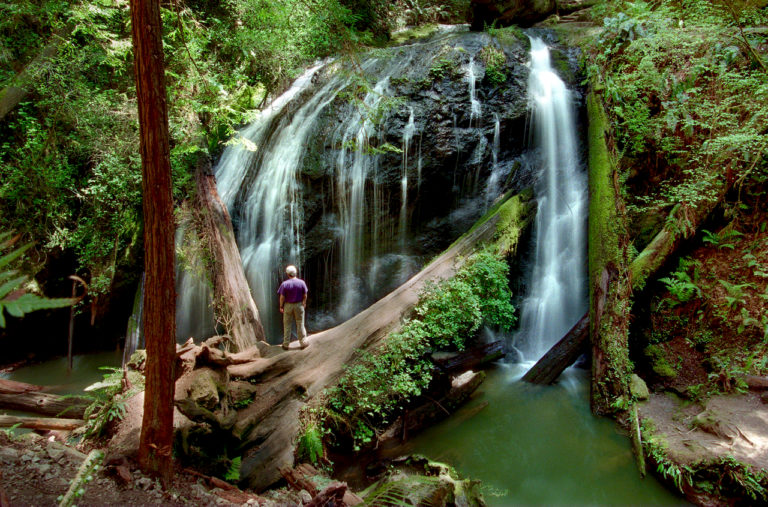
(160, 296)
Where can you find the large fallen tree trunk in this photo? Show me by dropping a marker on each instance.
(285, 382)
(40, 423)
(45, 404)
(233, 305)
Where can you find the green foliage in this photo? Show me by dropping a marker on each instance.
(310, 445)
(681, 283)
(13, 298)
(495, 65)
(447, 315)
(109, 399)
(233, 474)
(70, 175)
(688, 103)
(720, 239)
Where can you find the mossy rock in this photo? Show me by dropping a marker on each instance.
(638, 388)
(658, 362)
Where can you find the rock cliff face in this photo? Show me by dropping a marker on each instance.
(440, 148)
(509, 12)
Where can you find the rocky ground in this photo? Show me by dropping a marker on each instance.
(38, 471)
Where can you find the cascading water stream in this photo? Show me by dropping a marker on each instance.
(556, 296)
(408, 132)
(474, 103)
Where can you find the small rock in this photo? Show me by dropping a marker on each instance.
(49, 476)
(305, 496)
(26, 457)
(144, 483)
(41, 469)
(54, 451)
(9, 455)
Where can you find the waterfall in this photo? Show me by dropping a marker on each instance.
(410, 128)
(556, 297)
(491, 187)
(474, 104)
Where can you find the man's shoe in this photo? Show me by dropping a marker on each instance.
(286, 346)
(303, 345)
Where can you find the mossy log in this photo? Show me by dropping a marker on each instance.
(233, 304)
(609, 283)
(283, 382)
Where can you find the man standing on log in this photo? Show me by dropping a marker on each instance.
(293, 301)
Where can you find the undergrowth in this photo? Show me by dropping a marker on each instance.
(385, 380)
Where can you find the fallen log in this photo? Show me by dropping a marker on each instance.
(563, 354)
(469, 359)
(14, 387)
(40, 423)
(285, 381)
(432, 411)
(45, 404)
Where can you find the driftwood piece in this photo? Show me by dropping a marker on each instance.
(40, 423)
(469, 359)
(233, 304)
(756, 383)
(563, 354)
(45, 404)
(14, 387)
(332, 495)
(301, 477)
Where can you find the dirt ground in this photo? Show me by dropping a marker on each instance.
(36, 471)
(727, 425)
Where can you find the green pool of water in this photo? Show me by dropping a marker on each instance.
(540, 445)
(85, 371)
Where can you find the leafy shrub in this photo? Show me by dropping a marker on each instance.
(495, 65)
(447, 315)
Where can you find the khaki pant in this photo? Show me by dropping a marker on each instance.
(293, 312)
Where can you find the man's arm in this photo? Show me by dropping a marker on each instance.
(304, 300)
(282, 302)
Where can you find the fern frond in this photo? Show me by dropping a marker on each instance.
(10, 257)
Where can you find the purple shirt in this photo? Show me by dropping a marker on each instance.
(293, 289)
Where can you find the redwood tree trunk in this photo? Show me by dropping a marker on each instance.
(160, 296)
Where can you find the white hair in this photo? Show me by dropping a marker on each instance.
(291, 271)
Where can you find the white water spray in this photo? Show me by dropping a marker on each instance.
(408, 132)
(474, 104)
(556, 296)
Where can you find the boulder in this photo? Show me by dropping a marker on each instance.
(509, 12)
(638, 388)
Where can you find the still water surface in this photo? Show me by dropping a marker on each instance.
(85, 371)
(540, 445)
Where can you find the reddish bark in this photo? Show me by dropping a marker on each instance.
(160, 296)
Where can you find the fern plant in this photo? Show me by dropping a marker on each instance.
(13, 298)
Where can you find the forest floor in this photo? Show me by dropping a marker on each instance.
(37, 471)
(701, 344)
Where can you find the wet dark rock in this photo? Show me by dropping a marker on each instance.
(509, 12)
